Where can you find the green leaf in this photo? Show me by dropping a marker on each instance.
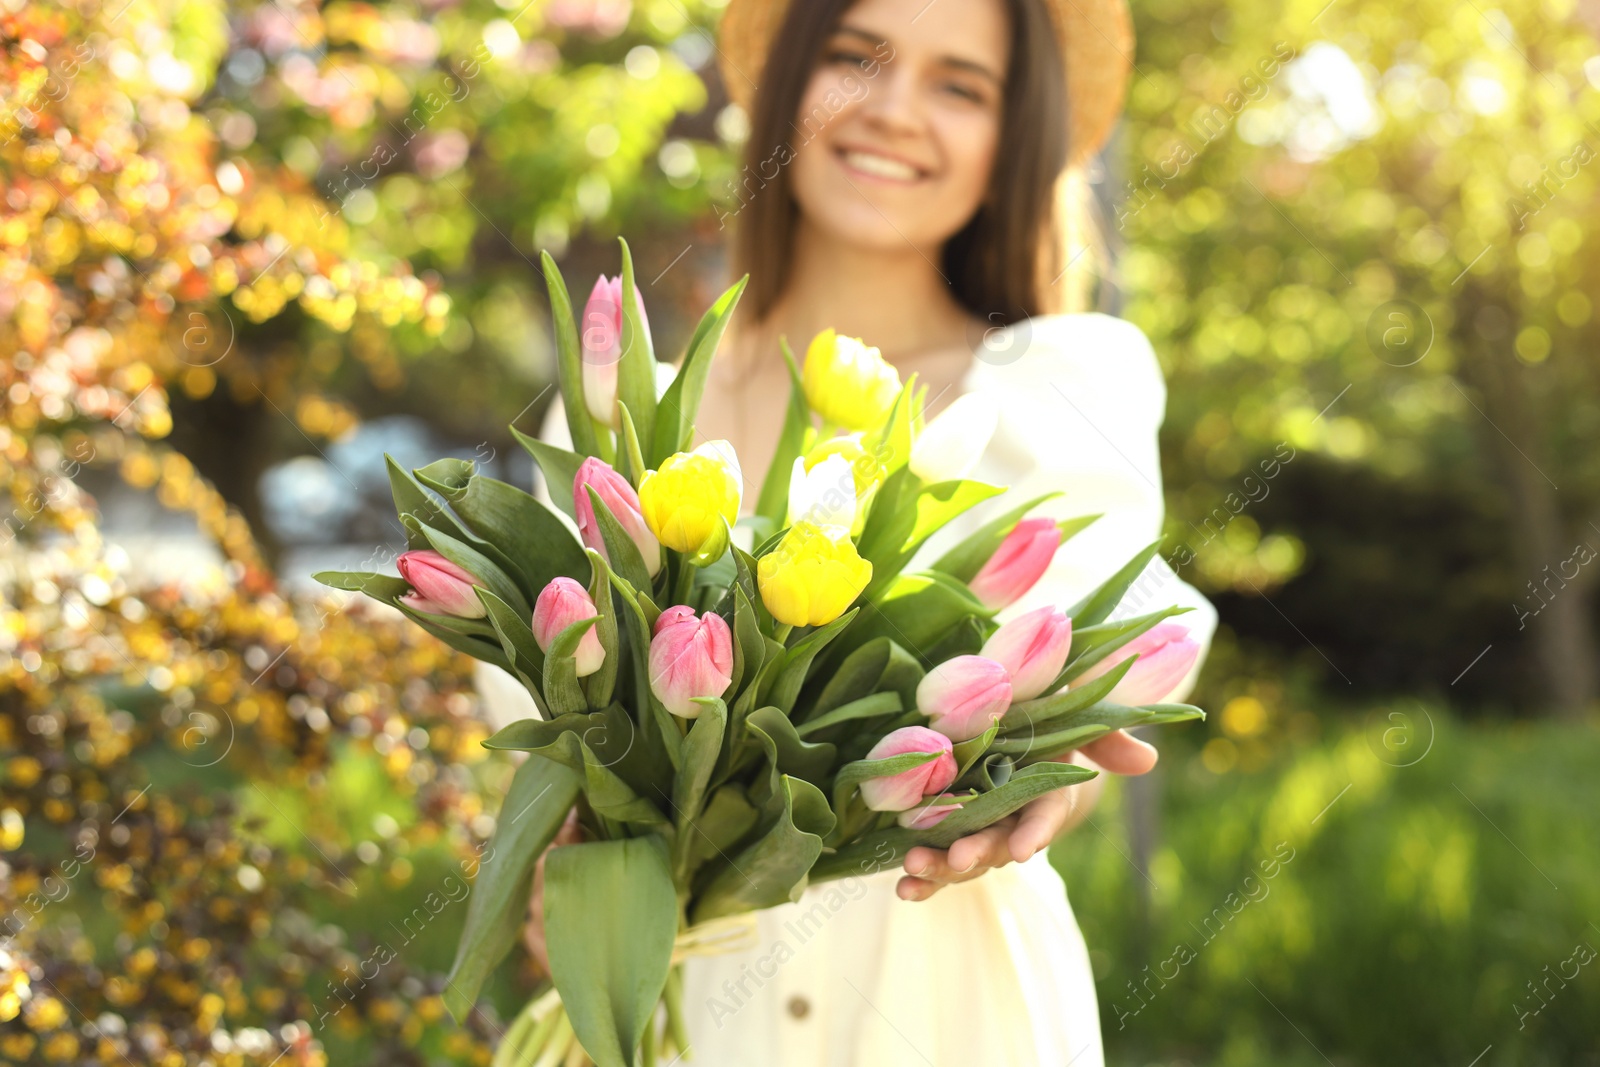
(599, 686)
(656, 723)
(1031, 748)
(541, 794)
(727, 818)
(1098, 605)
(384, 587)
(681, 402)
(630, 447)
(411, 499)
(619, 778)
(877, 665)
(1106, 714)
(995, 771)
(773, 869)
(516, 638)
(966, 559)
(561, 688)
(1043, 712)
(717, 576)
(965, 638)
(1094, 644)
(810, 760)
(773, 503)
(968, 751)
(797, 662)
(905, 514)
(700, 750)
(884, 849)
(890, 443)
(538, 543)
(476, 647)
(701, 747)
(749, 647)
(560, 469)
(1162, 714)
(486, 570)
(609, 734)
(915, 611)
(569, 361)
(1072, 527)
(612, 917)
(867, 707)
(636, 372)
(851, 775)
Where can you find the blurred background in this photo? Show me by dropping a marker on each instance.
(247, 249)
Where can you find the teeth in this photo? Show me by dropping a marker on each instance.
(880, 166)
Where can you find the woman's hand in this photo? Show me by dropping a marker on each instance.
(1018, 837)
(533, 933)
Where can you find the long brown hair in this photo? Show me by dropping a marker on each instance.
(1006, 263)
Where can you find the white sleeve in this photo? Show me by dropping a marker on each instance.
(1080, 413)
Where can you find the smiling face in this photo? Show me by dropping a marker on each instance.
(899, 125)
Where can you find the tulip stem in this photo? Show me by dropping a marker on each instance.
(782, 633)
(685, 583)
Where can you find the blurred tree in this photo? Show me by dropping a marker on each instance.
(1366, 232)
(216, 209)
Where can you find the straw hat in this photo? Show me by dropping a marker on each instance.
(1096, 38)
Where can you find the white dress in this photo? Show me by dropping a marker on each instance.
(992, 972)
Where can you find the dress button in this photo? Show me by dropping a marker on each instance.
(799, 1007)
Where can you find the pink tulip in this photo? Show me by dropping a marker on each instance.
(619, 496)
(928, 814)
(1166, 652)
(1033, 647)
(600, 335)
(1019, 561)
(560, 604)
(438, 586)
(964, 696)
(690, 657)
(897, 792)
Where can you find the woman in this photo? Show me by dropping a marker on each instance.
(906, 180)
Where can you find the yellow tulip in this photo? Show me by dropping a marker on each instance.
(812, 576)
(687, 498)
(848, 383)
(866, 468)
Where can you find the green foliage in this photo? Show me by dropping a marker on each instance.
(1409, 295)
(1389, 902)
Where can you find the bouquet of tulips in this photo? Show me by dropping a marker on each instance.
(733, 726)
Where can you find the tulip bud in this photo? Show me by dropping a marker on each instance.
(687, 498)
(953, 442)
(690, 657)
(438, 586)
(812, 576)
(619, 496)
(929, 813)
(964, 696)
(897, 792)
(1019, 561)
(601, 341)
(1033, 648)
(848, 383)
(560, 604)
(1165, 651)
(825, 494)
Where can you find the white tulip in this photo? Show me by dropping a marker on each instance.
(825, 495)
(953, 442)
